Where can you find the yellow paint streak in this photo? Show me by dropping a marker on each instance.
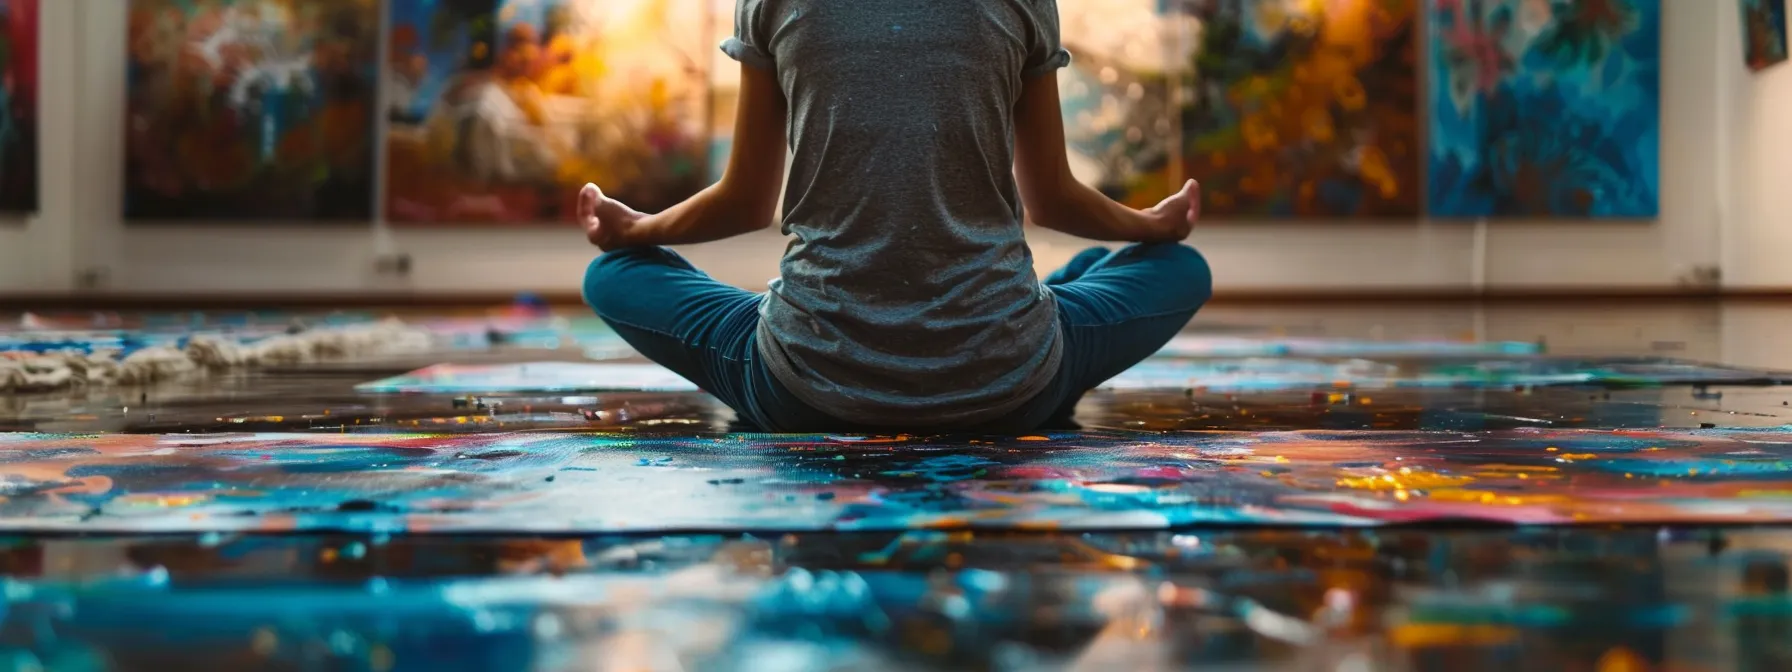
(1495, 499)
(1411, 480)
(1515, 469)
(164, 501)
(1620, 659)
(1426, 635)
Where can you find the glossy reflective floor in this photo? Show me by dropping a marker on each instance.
(1631, 599)
(1431, 597)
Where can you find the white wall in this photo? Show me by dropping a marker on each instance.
(84, 109)
(1758, 243)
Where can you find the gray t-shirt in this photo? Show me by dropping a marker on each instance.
(908, 295)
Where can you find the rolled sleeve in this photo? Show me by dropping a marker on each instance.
(751, 44)
(747, 54)
(1045, 50)
(1052, 63)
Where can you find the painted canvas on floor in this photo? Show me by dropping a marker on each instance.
(501, 109)
(528, 482)
(1764, 33)
(1117, 93)
(1303, 110)
(1545, 109)
(18, 105)
(1265, 374)
(251, 109)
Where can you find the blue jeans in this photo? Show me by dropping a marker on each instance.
(1115, 308)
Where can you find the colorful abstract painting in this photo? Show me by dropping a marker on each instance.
(1545, 108)
(251, 109)
(1303, 110)
(1764, 33)
(522, 483)
(1117, 95)
(500, 109)
(18, 105)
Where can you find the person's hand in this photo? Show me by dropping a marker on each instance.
(1173, 219)
(606, 220)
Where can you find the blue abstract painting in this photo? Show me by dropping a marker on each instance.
(1764, 33)
(1545, 108)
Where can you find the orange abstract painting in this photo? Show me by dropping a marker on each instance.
(500, 109)
(1303, 109)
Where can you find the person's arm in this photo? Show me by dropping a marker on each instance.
(745, 200)
(1054, 199)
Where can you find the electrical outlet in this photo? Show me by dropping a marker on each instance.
(93, 278)
(393, 264)
(1702, 277)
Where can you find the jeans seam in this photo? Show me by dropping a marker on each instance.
(1135, 318)
(681, 342)
(1124, 320)
(650, 330)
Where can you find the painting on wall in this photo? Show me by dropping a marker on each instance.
(18, 105)
(1303, 110)
(251, 109)
(1118, 94)
(1764, 33)
(500, 109)
(1545, 109)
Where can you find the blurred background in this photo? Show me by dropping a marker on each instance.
(410, 150)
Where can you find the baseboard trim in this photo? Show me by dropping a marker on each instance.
(1236, 297)
(1513, 295)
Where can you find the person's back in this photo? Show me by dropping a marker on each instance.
(919, 131)
(908, 292)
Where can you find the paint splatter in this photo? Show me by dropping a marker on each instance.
(613, 483)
